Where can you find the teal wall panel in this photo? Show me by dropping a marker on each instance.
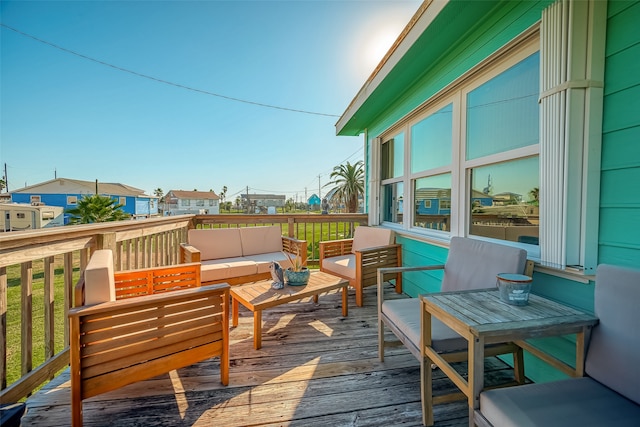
(621, 109)
(621, 149)
(623, 69)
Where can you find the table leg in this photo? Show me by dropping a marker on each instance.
(476, 375)
(426, 377)
(345, 305)
(315, 299)
(234, 312)
(257, 329)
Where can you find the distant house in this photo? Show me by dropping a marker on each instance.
(314, 201)
(66, 193)
(179, 202)
(262, 202)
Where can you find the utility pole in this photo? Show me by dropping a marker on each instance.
(6, 179)
(319, 193)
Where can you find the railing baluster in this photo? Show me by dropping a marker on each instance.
(49, 308)
(26, 316)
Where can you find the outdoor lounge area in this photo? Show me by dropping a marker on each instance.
(315, 368)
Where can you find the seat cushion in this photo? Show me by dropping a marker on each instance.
(216, 243)
(343, 265)
(226, 268)
(405, 314)
(371, 237)
(261, 240)
(577, 401)
(263, 260)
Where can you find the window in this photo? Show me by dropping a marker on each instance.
(72, 200)
(185, 202)
(469, 159)
(502, 117)
(20, 215)
(35, 199)
(431, 148)
(122, 201)
(392, 172)
(200, 202)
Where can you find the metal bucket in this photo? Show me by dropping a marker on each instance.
(514, 288)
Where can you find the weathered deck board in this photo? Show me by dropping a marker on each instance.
(316, 368)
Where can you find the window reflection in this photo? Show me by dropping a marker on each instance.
(392, 202)
(504, 201)
(431, 140)
(433, 202)
(503, 113)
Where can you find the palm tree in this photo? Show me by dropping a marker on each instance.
(158, 192)
(348, 183)
(96, 208)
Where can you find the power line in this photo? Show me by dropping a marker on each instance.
(181, 86)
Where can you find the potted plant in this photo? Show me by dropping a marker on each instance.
(297, 274)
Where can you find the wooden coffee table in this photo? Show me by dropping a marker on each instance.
(260, 295)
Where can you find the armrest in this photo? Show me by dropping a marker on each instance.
(296, 247)
(394, 270)
(189, 253)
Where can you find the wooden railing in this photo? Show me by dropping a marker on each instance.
(39, 268)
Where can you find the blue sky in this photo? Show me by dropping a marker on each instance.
(127, 119)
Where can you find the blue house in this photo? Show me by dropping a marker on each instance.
(314, 201)
(65, 193)
(540, 99)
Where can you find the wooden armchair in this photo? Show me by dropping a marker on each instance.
(471, 264)
(133, 325)
(359, 258)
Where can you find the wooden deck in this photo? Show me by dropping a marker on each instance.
(316, 368)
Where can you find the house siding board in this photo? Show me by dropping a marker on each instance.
(621, 149)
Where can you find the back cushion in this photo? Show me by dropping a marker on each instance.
(216, 243)
(260, 240)
(474, 264)
(99, 282)
(614, 349)
(371, 237)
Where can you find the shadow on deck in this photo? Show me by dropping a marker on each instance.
(315, 368)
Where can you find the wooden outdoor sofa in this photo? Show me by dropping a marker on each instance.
(133, 325)
(240, 255)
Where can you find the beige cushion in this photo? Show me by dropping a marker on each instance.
(260, 240)
(371, 237)
(263, 260)
(344, 265)
(216, 243)
(99, 282)
(227, 268)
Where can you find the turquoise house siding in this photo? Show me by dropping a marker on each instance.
(459, 40)
(619, 240)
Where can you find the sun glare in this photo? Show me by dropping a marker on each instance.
(378, 46)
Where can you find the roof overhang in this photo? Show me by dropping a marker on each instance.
(435, 27)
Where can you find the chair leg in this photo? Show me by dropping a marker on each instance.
(399, 283)
(359, 295)
(381, 340)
